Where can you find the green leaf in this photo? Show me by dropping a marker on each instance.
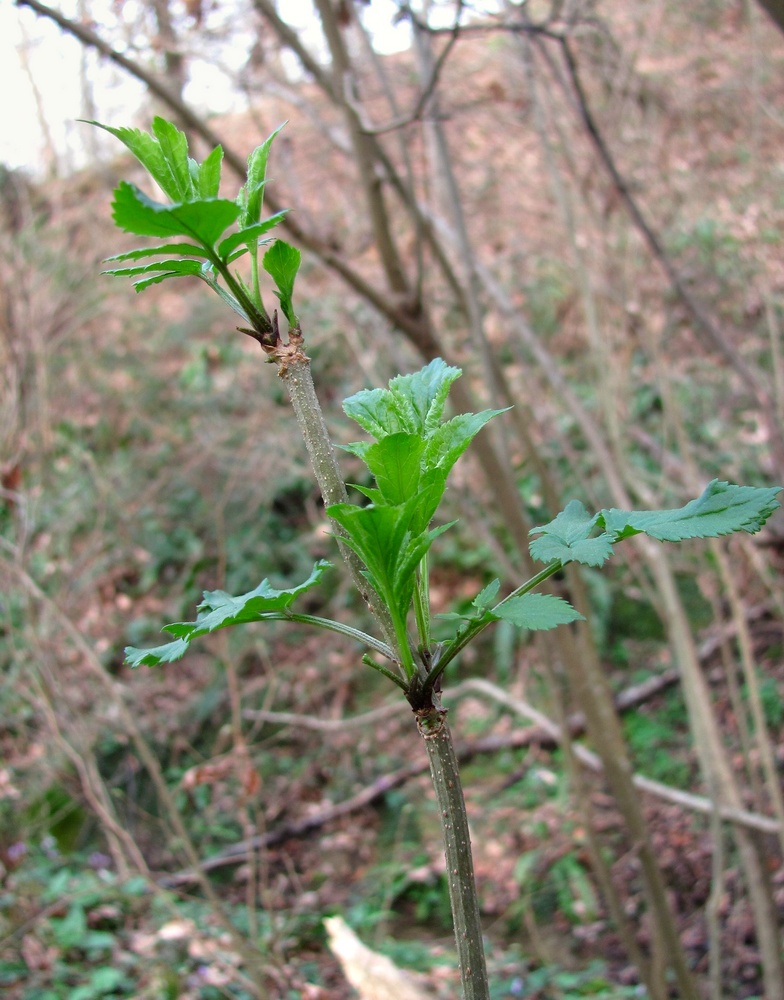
(166, 653)
(536, 611)
(171, 267)
(282, 262)
(377, 534)
(183, 249)
(381, 536)
(203, 221)
(432, 487)
(249, 235)
(376, 411)
(208, 177)
(423, 394)
(487, 596)
(174, 147)
(566, 538)
(69, 931)
(721, 509)
(148, 152)
(413, 403)
(417, 548)
(448, 442)
(219, 610)
(156, 279)
(395, 462)
(252, 193)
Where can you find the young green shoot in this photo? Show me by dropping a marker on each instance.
(410, 450)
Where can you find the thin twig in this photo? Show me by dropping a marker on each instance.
(426, 93)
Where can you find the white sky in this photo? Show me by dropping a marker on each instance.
(54, 60)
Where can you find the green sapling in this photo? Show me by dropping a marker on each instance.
(413, 446)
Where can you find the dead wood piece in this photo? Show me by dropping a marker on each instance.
(373, 976)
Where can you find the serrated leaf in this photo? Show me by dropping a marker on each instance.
(171, 267)
(208, 177)
(174, 147)
(182, 249)
(417, 548)
(448, 442)
(164, 154)
(412, 404)
(252, 194)
(536, 611)
(167, 653)
(156, 279)
(432, 487)
(203, 221)
(377, 534)
(381, 536)
(220, 610)
(376, 412)
(486, 597)
(721, 509)
(395, 462)
(282, 262)
(424, 393)
(148, 152)
(567, 538)
(249, 235)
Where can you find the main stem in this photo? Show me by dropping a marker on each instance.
(294, 367)
(463, 897)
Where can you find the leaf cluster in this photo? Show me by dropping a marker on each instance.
(411, 457)
(215, 231)
(412, 451)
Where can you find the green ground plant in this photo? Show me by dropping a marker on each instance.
(385, 539)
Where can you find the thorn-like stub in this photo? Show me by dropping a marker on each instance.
(431, 722)
(291, 352)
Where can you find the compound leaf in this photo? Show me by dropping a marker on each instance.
(219, 610)
(721, 509)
